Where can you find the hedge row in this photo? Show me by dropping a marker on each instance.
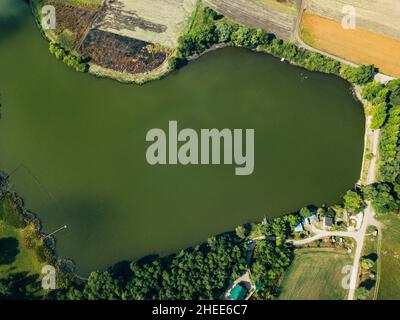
(212, 32)
(75, 61)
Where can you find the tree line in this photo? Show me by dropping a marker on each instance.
(385, 99)
(215, 30)
(201, 272)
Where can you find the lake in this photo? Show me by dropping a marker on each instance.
(76, 151)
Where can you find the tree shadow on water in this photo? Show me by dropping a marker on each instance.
(12, 15)
(8, 250)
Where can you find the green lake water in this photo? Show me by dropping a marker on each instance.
(75, 147)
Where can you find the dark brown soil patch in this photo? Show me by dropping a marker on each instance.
(120, 53)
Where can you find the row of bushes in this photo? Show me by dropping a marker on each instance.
(386, 115)
(379, 115)
(75, 61)
(212, 32)
(385, 100)
(389, 150)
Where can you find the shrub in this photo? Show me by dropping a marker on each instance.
(29, 239)
(44, 254)
(371, 90)
(223, 32)
(211, 14)
(353, 202)
(359, 75)
(57, 51)
(389, 156)
(394, 88)
(379, 115)
(11, 215)
(382, 96)
(177, 62)
(75, 61)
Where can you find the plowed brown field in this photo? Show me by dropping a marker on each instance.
(359, 45)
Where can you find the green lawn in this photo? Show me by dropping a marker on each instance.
(20, 264)
(14, 258)
(315, 274)
(370, 252)
(389, 287)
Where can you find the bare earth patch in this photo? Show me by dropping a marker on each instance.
(121, 53)
(156, 21)
(359, 45)
(257, 15)
(381, 16)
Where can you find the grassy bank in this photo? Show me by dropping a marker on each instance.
(24, 250)
(21, 254)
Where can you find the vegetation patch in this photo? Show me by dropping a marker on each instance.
(73, 20)
(75, 61)
(20, 263)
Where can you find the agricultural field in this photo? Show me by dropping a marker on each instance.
(285, 6)
(359, 45)
(73, 19)
(368, 14)
(315, 274)
(257, 14)
(160, 22)
(389, 287)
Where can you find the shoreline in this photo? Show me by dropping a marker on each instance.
(157, 77)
